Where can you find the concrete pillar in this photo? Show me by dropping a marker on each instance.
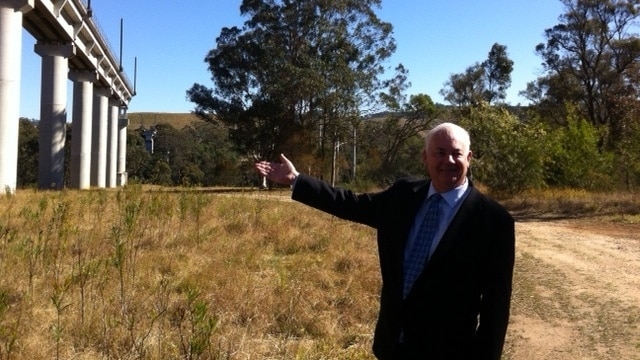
(123, 122)
(99, 137)
(53, 113)
(80, 174)
(112, 143)
(10, 62)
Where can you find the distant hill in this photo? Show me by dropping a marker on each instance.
(180, 120)
(148, 119)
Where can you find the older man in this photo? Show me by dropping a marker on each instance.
(446, 253)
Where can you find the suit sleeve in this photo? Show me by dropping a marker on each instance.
(345, 204)
(497, 285)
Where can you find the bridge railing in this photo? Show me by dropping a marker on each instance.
(101, 31)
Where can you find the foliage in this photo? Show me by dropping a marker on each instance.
(401, 126)
(498, 68)
(28, 146)
(486, 82)
(294, 70)
(390, 143)
(511, 154)
(508, 155)
(380, 137)
(575, 158)
(465, 89)
(627, 161)
(303, 78)
(591, 59)
(198, 154)
(138, 157)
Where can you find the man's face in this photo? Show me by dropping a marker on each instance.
(447, 161)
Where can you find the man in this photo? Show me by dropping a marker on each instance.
(446, 286)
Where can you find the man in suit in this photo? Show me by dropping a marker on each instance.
(446, 284)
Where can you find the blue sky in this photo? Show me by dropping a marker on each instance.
(435, 39)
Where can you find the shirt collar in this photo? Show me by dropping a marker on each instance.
(452, 196)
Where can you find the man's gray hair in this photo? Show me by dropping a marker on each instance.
(452, 129)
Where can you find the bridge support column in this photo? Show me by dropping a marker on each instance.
(81, 128)
(123, 122)
(53, 113)
(10, 62)
(99, 137)
(112, 143)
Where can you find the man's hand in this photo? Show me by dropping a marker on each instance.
(281, 173)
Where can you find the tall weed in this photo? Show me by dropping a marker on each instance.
(157, 274)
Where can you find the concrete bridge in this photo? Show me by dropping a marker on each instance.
(72, 47)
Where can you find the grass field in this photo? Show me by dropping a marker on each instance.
(153, 273)
(161, 274)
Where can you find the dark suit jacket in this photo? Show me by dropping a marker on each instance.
(459, 307)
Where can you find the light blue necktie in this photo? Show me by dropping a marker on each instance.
(417, 257)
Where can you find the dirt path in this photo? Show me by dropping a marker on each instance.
(576, 292)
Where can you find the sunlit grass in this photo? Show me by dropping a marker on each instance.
(135, 273)
(624, 206)
(159, 273)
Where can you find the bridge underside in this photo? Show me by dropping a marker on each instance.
(71, 47)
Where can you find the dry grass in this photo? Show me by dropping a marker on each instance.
(158, 275)
(196, 274)
(554, 203)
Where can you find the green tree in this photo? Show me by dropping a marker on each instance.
(401, 126)
(508, 155)
(482, 82)
(213, 154)
(628, 149)
(376, 142)
(27, 153)
(591, 59)
(138, 158)
(161, 172)
(175, 148)
(294, 73)
(575, 160)
(497, 69)
(465, 89)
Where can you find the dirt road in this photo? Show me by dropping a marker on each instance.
(576, 291)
